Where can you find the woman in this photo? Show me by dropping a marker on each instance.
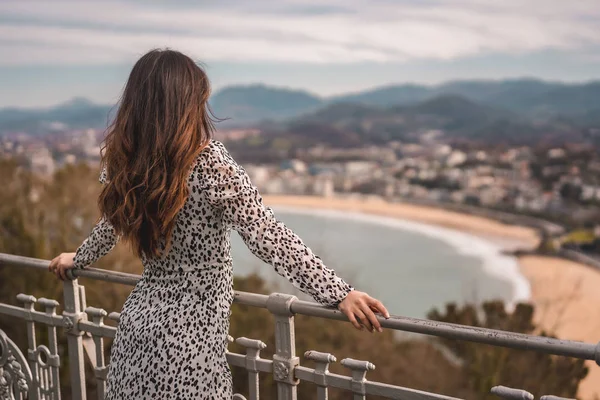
(174, 193)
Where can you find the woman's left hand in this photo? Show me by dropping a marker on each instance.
(360, 309)
(59, 265)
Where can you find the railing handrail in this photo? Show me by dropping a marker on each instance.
(569, 348)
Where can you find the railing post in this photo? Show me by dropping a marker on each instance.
(100, 369)
(322, 361)
(28, 304)
(284, 359)
(73, 314)
(253, 348)
(359, 372)
(53, 361)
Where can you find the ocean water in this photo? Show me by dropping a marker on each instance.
(411, 267)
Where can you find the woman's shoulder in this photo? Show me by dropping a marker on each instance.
(215, 150)
(214, 161)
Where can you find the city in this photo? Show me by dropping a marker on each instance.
(559, 184)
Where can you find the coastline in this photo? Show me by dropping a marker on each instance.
(564, 292)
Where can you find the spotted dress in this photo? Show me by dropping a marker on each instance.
(172, 335)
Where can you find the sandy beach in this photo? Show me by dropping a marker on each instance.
(567, 300)
(565, 293)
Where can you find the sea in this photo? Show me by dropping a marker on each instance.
(411, 267)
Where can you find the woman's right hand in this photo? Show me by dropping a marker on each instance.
(359, 306)
(60, 264)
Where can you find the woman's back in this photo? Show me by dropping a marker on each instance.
(200, 239)
(221, 198)
(175, 194)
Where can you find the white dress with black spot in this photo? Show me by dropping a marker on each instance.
(172, 335)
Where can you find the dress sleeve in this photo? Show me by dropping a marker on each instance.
(100, 241)
(227, 187)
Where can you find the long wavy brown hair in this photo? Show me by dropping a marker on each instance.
(163, 122)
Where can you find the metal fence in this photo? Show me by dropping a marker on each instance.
(36, 375)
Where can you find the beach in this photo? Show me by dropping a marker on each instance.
(565, 293)
(567, 300)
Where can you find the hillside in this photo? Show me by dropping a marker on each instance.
(457, 116)
(481, 109)
(528, 97)
(243, 104)
(78, 113)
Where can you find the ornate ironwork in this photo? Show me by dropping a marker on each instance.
(15, 376)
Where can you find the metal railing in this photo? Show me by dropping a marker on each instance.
(37, 375)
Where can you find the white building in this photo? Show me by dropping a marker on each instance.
(258, 174)
(359, 168)
(456, 158)
(41, 161)
(323, 186)
(556, 153)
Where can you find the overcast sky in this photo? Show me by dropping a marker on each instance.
(51, 51)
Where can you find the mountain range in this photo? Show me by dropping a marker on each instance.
(354, 125)
(78, 113)
(529, 97)
(461, 107)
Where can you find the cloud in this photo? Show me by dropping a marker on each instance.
(296, 31)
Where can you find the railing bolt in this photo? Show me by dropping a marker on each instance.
(97, 315)
(511, 394)
(28, 302)
(115, 316)
(253, 348)
(322, 361)
(49, 305)
(359, 373)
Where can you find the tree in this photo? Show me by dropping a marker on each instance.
(488, 366)
(41, 219)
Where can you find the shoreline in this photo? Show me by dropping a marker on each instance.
(474, 224)
(490, 250)
(563, 292)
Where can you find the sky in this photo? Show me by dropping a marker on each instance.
(52, 51)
